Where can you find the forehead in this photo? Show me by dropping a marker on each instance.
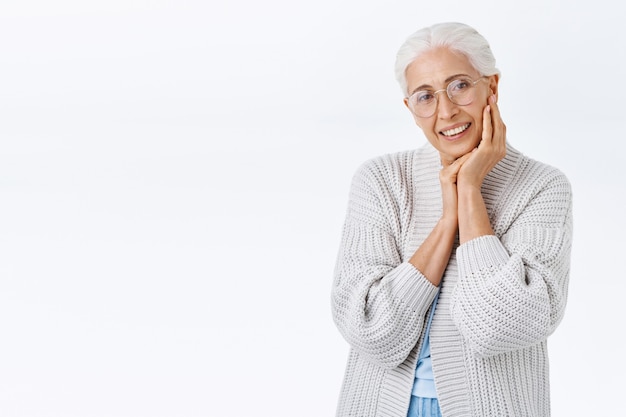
(433, 67)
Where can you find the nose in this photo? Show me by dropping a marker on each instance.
(445, 107)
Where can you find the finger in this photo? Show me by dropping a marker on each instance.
(498, 126)
(458, 163)
(495, 110)
(446, 162)
(487, 127)
(450, 173)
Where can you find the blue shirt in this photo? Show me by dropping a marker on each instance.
(424, 384)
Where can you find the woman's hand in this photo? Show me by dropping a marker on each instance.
(432, 256)
(448, 177)
(472, 212)
(490, 150)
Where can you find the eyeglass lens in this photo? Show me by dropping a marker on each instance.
(460, 92)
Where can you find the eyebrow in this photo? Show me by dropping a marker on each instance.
(430, 87)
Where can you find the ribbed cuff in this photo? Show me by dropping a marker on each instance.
(482, 253)
(411, 285)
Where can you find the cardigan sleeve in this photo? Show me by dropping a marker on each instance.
(378, 301)
(512, 290)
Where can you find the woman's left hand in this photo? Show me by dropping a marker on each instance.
(490, 150)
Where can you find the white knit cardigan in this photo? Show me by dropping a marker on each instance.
(501, 296)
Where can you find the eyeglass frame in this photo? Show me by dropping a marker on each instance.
(408, 99)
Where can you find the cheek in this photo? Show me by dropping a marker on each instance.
(478, 116)
(422, 124)
(479, 123)
(479, 130)
(429, 129)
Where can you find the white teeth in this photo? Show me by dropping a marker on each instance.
(455, 131)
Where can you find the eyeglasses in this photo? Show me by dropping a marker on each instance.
(461, 92)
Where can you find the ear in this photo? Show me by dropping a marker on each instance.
(493, 84)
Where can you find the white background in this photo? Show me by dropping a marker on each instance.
(174, 176)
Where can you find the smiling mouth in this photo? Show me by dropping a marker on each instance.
(455, 131)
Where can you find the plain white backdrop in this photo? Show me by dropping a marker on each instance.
(174, 177)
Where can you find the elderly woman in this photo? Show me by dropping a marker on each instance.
(454, 260)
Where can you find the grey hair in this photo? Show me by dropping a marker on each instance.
(459, 37)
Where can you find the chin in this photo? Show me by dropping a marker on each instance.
(456, 152)
(454, 149)
(464, 148)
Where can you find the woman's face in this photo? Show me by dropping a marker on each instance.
(453, 130)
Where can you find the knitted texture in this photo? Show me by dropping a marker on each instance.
(501, 296)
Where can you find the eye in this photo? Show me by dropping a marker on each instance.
(423, 97)
(460, 85)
